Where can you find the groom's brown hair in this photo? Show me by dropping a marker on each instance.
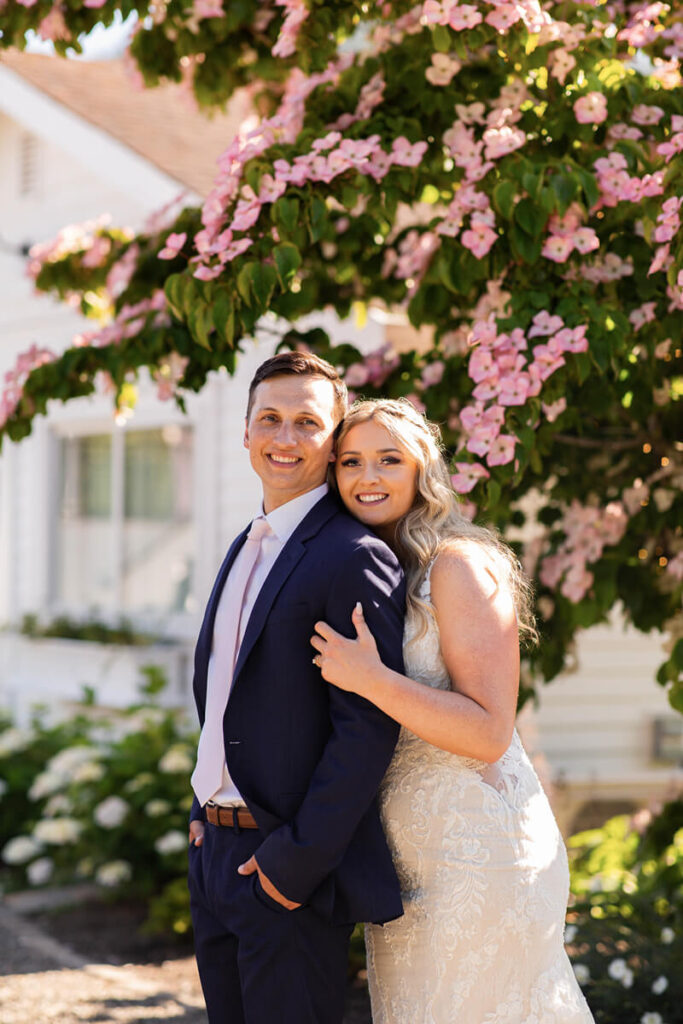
(303, 364)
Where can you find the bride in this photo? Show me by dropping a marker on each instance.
(482, 865)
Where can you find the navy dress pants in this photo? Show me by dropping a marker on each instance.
(258, 962)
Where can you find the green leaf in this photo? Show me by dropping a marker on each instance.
(285, 213)
(504, 198)
(523, 246)
(173, 289)
(287, 261)
(564, 186)
(318, 220)
(200, 323)
(224, 317)
(528, 218)
(492, 493)
(442, 38)
(244, 279)
(264, 280)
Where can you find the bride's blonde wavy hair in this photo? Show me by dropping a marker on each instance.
(435, 517)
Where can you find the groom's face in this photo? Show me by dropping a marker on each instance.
(290, 436)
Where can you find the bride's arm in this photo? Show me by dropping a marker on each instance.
(479, 645)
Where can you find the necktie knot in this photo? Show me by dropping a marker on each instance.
(258, 530)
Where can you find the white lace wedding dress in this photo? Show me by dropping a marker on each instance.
(484, 878)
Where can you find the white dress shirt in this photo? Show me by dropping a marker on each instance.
(283, 521)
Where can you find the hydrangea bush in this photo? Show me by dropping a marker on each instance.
(506, 176)
(626, 927)
(102, 797)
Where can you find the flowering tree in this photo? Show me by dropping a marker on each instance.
(506, 174)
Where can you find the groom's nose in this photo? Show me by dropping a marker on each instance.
(285, 434)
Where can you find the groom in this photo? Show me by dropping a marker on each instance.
(286, 845)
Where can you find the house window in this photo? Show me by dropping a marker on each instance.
(29, 164)
(125, 521)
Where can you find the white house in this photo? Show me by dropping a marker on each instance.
(99, 519)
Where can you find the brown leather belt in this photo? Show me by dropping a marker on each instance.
(230, 817)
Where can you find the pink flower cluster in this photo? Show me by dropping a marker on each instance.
(667, 227)
(506, 374)
(504, 15)
(72, 239)
(643, 28)
(609, 267)
(296, 14)
(588, 530)
(591, 108)
(566, 234)
(374, 369)
(16, 378)
(168, 374)
(481, 234)
(129, 322)
(617, 185)
(121, 272)
(499, 137)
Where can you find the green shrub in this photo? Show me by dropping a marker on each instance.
(626, 926)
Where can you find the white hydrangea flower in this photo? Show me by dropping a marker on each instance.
(57, 804)
(3, 787)
(20, 849)
(171, 842)
(139, 782)
(157, 808)
(582, 973)
(12, 740)
(651, 1018)
(627, 980)
(111, 812)
(89, 771)
(40, 871)
(45, 784)
(66, 761)
(660, 985)
(178, 759)
(570, 933)
(667, 936)
(113, 873)
(617, 969)
(57, 831)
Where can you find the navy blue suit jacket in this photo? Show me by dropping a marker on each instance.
(308, 757)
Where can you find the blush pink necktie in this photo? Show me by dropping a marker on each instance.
(208, 774)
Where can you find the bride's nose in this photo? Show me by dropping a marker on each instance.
(370, 474)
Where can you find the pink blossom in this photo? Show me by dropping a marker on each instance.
(406, 155)
(635, 497)
(547, 361)
(432, 373)
(570, 340)
(468, 476)
(557, 248)
(356, 375)
(442, 70)
(662, 349)
(174, 244)
(204, 273)
(53, 26)
(270, 189)
(479, 238)
(552, 410)
(591, 108)
(463, 16)
(675, 566)
(514, 389)
(544, 323)
(416, 403)
(585, 240)
(646, 114)
(208, 9)
(297, 12)
(644, 314)
(502, 450)
(561, 63)
(501, 141)
(503, 17)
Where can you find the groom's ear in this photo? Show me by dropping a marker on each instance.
(245, 440)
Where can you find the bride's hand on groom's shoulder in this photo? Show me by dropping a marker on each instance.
(349, 664)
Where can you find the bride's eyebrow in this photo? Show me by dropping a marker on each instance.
(380, 451)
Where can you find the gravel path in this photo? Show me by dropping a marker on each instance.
(44, 981)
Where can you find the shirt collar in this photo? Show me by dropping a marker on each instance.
(284, 520)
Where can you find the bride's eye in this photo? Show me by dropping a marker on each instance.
(349, 462)
(391, 460)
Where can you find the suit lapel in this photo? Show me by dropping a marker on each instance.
(288, 559)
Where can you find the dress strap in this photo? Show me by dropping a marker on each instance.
(425, 587)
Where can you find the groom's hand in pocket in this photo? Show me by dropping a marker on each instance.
(249, 867)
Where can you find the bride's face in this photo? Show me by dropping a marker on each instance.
(377, 479)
